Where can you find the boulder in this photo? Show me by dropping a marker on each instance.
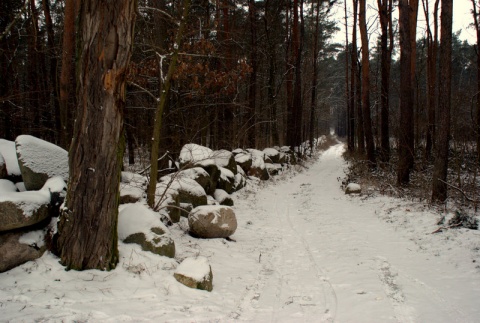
(212, 221)
(138, 224)
(23, 209)
(239, 182)
(353, 188)
(195, 273)
(258, 168)
(193, 154)
(237, 151)
(223, 198)
(226, 159)
(274, 169)
(40, 160)
(273, 154)
(130, 194)
(189, 191)
(168, 198)
(17, 248)
(3, 167)
(244, 160)
(7, 150)
(226, 180)
(199, 175)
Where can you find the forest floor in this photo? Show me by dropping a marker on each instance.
(303, 252)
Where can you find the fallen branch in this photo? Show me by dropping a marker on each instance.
(449, 227)
(458, 189)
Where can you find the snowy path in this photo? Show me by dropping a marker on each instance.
(303, 252)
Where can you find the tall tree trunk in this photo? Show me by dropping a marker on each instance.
(157, 127)
(67, 72)
(88, 224)
(405, 132)
(439, 190)
(367, 118)
(413, 65)
(313, 105)
(349, 89)
(252, 89)
(385, 8)
(477, 29)
(432, 44)
(358, 84)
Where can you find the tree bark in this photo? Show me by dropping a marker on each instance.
(405, 135)
(385, 8)
(357, 83)
(477, 29)
(252, 90)
(439, 190)
(88, 224)
(349, 89)
(367, 119)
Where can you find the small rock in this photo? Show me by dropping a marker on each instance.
(195, 273)
(223, 197)
(353, 188)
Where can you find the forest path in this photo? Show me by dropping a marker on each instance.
(326, 257)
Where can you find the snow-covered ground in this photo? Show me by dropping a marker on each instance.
(303, 252)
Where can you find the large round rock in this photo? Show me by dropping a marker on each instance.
(212, 221)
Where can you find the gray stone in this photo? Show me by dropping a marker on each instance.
(244, 160)
(212, 221)
(189, 191)
(159, 244)
(23, 209)
(3, 168)
(13, 253)
(226, 180)
(223, 198)
(273, 155)
(195, 273)
(353, 188)
(40, 160)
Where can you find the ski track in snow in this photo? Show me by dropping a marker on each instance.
(304, 252)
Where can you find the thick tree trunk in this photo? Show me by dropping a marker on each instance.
(367, 119)
(358, 84)
(349, 91)
(405, 131)
(313, 101)
(439, 191)
(477, 29)
(252, 90)
(88, 224)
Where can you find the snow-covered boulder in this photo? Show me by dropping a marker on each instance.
(7, 150)
(193, 154)
(212, 221)
(189, 191)
(199, 175)
(353, 188)
(3, 167)
(195, 273)
(258, 168)
(273, 154)
(273, 169)
(17, 248)
(226, 159)
(222, 197)
(132, 187)
(244, 160)
(40, 160)
(138, 224)
(239, 181)
(226, 180)
(22, 209)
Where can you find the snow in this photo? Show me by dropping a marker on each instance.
(29, 201)
(226, 174)
(353, 187)
(7, 150)
(196, 268)
(42, 156)
(136, 218)
(7, 187)
(220, 195)
(181, 184)
(193, 153)
(33, 238)
(242, 157)
(55, 184)
(303, 252)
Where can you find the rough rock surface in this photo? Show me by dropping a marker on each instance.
(244, 160)
(273, 154)
(3, 167)
(226, 181)
(212, 221)
(195, 273)
(40, 160)
(13, 253)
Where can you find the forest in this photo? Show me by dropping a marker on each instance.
(152, 76)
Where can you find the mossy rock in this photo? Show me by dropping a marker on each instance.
(159, 244)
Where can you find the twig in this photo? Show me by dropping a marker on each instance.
(458, 189)
(449, 227)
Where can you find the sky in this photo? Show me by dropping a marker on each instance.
(462, 18)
